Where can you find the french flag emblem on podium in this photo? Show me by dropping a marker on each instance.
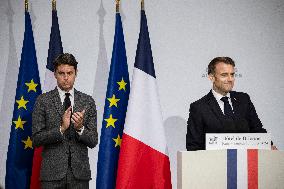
(231, 169)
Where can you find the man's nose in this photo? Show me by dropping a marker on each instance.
(231, 78)
(65, 76)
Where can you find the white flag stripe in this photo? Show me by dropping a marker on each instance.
(50, 81)
(242, 169)
(145, 126)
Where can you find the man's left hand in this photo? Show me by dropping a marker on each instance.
(77, 119)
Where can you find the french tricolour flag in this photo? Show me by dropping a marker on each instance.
(254, 169)
(231, 169)
(143, 160)
(242, 169)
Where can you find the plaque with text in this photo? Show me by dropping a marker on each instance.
(219, 141)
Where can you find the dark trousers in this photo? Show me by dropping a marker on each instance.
(69, 182)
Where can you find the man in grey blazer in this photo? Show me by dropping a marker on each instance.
(65, 124)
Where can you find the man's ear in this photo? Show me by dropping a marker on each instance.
(211, 77)
(76, 72)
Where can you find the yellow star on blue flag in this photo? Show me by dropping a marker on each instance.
(28, 143)
(113, 101)
(19, 123)
(22, 103)
(117, 141)
(31, 86)
(122, 85)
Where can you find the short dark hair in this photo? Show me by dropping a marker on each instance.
(212, 64)
(65, 58)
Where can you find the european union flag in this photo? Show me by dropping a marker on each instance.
(114, 112)
(20, 150)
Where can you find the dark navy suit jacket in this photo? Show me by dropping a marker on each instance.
(206, 116)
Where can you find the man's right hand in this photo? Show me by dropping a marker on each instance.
(66, 120)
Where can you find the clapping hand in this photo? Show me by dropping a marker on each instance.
(77, 119)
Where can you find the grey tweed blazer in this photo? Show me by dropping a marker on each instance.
(46, 121)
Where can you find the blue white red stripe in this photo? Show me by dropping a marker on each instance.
(242, 169)
(143, 159)
(217, 169)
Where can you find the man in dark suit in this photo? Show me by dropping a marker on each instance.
(221, 110)
(64, 123)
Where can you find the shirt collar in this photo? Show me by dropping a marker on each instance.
(219, 96)
(62, 93)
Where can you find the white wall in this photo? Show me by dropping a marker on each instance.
(185, 36)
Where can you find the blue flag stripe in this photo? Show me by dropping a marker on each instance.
(144, 58)
(232, 169)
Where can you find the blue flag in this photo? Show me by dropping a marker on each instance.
(55, 49)
(20, 150)
(55, 44)
(114, 112)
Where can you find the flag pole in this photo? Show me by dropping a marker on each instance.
(53, 4)
(142, 5)
(26, 5)
(117, 5)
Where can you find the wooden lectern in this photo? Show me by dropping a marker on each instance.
(222, 169)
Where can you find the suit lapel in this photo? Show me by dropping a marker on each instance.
(77, 103)
(213, 104)
(56, 101)
(236, 104)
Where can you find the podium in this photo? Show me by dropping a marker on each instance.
(222, 169)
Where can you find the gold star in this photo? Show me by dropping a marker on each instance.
(122, 85)
(117, 141)
(28, 143)
(113, 101)
(19, 123)
(110, 121)
(31, 86)
(22, 103)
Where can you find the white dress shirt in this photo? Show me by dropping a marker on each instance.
(62, 96)
(220, 102)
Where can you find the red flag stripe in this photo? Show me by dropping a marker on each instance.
(252, 169)
(35, 182)
(142, 166)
